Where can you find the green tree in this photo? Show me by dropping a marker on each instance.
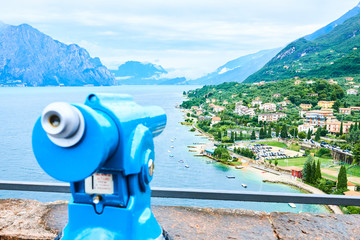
(356, 153)
(342, 179)
(336, 105)
(276, 162)
(277, 130)
(307, 169)
(318, 171)
(184, 93)
(309, 134)
(261, 133)
(232, 138)
(284, 133)
(318, 134)
(253, 136)
(268, 135)
(341, 128)
(313, 172)
(302, 135)
(222, 153)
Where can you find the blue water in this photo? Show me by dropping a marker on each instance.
(20, 107)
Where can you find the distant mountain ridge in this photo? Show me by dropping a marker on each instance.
(29, 57)
(237, 70)
(328, 28)
(333, 54)
(139, 73)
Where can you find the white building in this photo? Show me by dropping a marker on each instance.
(268, 107)
(244, 111)
(305, 127)
(271, 117)
(352, 91)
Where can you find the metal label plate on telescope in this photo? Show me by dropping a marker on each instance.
(99, 183)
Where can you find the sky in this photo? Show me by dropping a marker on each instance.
(187, 37)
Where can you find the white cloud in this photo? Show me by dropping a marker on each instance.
(193, 37)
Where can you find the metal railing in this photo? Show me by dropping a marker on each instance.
(181, 193)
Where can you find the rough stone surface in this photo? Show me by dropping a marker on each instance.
(315, 226)
(28, 219)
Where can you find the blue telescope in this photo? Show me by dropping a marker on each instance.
(105, 150)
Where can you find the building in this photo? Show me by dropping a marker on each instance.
(333, 126)
(194, 108)
(259, 83)
(244, 111)
(284, 103)
(297, 82)
(232, 96)
(268, 107)
(218, 108)
(213, 100)
(345, 111)
(225, 102)
(305, 106)
(326, 104)
(296, 172)
(331, 81)
(207, 100)
(208, 152)
(305, 127)
(215, 120)
(355, 108)
(202, 118)
(313, 94)
(318, 117)
(271, 117)
(302, 113)
(310, 82)
(349, 78)
(199, 112)
(277, 95)
(256, 102)
(356, 86)
(352, 91)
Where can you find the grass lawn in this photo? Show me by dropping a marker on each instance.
(354, 171)
(294, 147)
(273, 143)
(329, 176)
(299, 162)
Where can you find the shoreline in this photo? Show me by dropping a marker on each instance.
(270, 177)
(284, 179)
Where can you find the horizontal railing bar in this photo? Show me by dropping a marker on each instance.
(252, 196)
(203, 194)
(35, 186)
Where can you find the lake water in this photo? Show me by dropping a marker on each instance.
(20, 107)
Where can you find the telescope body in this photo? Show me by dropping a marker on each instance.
(105, 150)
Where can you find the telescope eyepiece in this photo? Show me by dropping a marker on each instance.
(54, 120)
(63, 123)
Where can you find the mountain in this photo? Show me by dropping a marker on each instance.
(138, 73)
(28, 57)
(238, 69)
(331, 55)
(328, 28)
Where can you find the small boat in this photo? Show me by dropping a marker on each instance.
(244, 185)
(208, 161)
(181, 161)
(232, 177)
(169, 151)
(171, 155)
(292, 205)
(239, 167)
(187, 166)
(172, 140)
(172, 146)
